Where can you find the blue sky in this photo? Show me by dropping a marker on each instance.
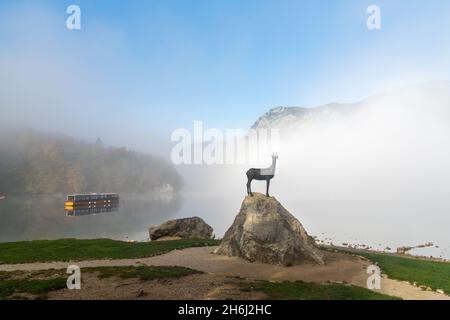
(159, 65)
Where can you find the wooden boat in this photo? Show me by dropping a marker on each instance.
(90, 201)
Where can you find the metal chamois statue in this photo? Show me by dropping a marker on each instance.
(261, 174)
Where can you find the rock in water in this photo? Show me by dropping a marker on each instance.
(186, 228)
(264, 231)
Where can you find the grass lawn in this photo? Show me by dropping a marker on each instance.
(145, 273)
(300, 290)
(77, 250)
(433, 274)
(38, 283)
(10, 288)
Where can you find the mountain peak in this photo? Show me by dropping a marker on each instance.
(277, 114)
(285, 117)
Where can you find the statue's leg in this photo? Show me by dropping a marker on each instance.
(249, 187)
(267, 187)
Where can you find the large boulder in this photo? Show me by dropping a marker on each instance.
(186, 228)
(264, 231)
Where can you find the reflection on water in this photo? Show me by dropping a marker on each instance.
(43, 217)
(84, 212)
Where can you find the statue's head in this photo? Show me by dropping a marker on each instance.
(274, 156)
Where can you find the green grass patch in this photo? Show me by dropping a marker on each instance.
(300, 290)
(10, 288)
(145, 273)
(14, 284)
(433, 274)
(78, 250)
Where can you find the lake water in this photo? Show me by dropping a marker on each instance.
(43, 217)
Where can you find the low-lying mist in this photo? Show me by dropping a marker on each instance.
(379, 175)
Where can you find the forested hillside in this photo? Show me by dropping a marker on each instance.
(32, 162)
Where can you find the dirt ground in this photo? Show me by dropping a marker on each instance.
(220, 280)
(195, 287)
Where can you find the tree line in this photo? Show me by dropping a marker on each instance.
(33, 162)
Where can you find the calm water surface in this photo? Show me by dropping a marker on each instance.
(43, 217)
